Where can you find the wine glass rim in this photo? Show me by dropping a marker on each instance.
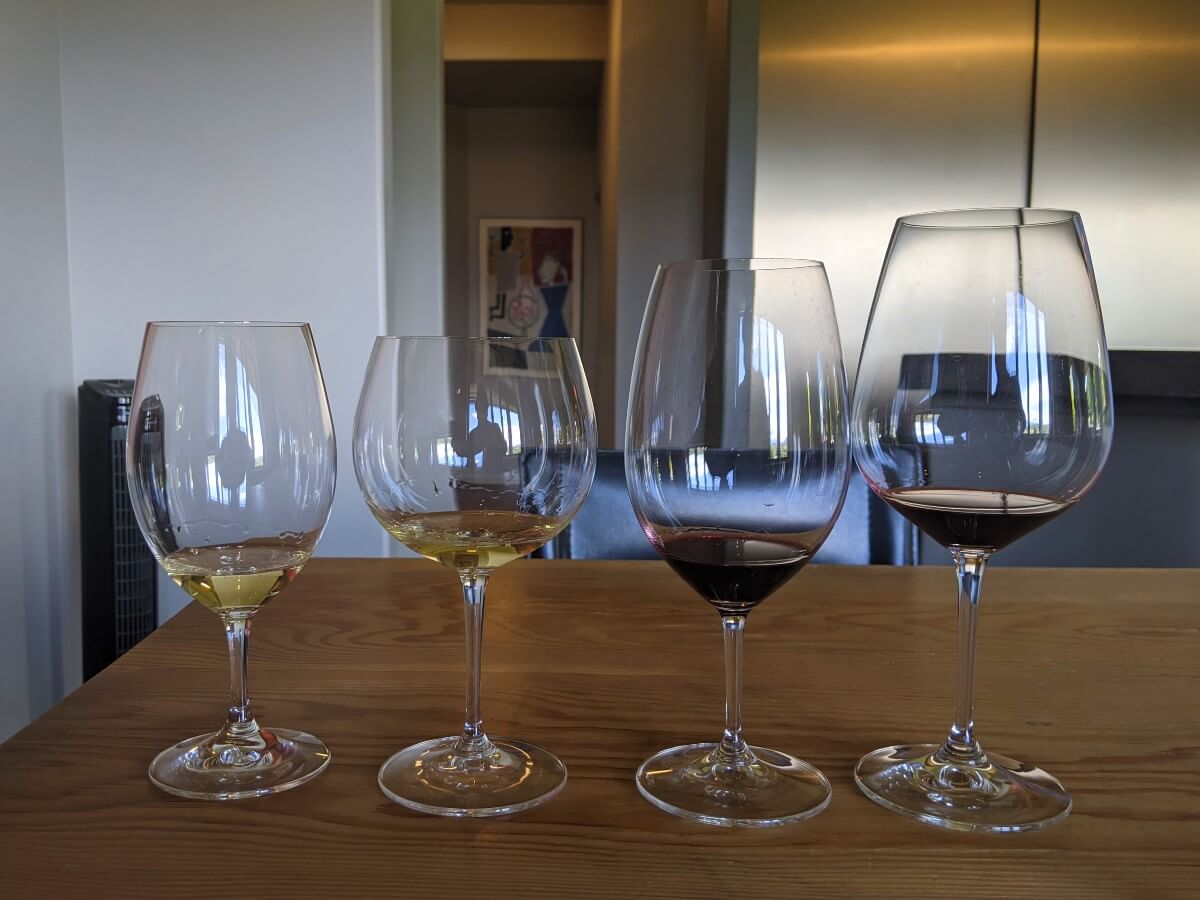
(225, 323)
(986, 217)
(742, 264)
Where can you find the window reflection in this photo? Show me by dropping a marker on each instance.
(1025, 358)
(240, 451)
(510, 423)
(927, 430)
(699, 478)
(768, 369)
(498, 418)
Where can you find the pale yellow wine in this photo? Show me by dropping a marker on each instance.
(471, 540)
(233, 579)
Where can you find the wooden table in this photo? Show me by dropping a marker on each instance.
(1091, 673)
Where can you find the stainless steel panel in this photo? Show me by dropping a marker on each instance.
(1117, 137)
(870, 110)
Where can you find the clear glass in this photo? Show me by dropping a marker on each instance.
(982, 410)
(474, 452)
(231, 465)
(737, 458)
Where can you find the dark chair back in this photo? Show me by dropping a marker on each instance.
(605, 527)
(1145, 508)
(867, 531)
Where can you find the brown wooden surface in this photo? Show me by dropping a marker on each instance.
(1092, 674)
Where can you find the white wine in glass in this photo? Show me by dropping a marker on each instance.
(234, 580)
(471, 539)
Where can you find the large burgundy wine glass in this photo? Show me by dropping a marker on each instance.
(982, 410)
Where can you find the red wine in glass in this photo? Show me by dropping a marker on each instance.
(734, 571)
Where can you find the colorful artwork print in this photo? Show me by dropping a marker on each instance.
(529, 284)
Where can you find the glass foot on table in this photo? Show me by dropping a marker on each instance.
(220, 767)
(1002, 795)
(702, 783)
(439, 778)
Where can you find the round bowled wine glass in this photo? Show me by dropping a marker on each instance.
(231, 466)
(737, 458)
(474, 452)
(982, 410)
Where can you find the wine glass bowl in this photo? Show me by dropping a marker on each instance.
(737, 460)
(982, 410)
(231, 468)
(474, 452)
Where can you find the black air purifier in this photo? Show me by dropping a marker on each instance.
(120, 595)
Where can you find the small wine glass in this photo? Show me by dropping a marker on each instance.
(473, 452)
(737, 457)
(231, 465)
(982, 410)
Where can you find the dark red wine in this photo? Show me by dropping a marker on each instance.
(732, 570)
(984, 520)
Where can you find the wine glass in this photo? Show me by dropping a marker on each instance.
(474, 452)
(737, 458)
(982, 410)
(231, 466)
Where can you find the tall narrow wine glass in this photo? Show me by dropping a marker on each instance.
(474, 452)
(737, 458)
(231, 465)
(982, 410)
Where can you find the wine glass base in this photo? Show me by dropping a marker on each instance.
(697, 782)
(436, 777)
(213, 767)
(1001, 796)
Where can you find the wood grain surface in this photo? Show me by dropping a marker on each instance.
(1093, 674)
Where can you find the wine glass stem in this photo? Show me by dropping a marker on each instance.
(732, 742)
(239, 721)
(474, 741)
(961, 746)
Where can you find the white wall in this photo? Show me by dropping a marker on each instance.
(416, 216)
(457, 243)
(225, 161)
(39, 641)
(742, 135)
(654, 160)
(175, 159)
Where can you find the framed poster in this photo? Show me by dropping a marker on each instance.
(529, 284)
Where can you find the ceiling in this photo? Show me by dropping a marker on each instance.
(551, 2)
